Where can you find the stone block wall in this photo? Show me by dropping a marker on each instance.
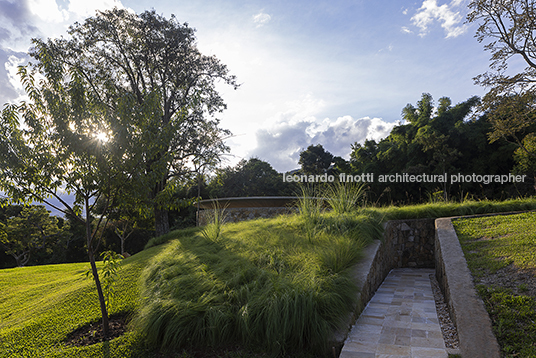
(405, 243)
(412, 242)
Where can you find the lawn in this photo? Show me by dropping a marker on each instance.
(501, 254)
(41, 305)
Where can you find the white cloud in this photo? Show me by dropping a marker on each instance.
(281, 143)
(445, 14)
(406, 30)
(261, 19)
(47, 10)
(87, 8)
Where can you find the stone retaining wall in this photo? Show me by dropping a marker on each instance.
(466, 308)
(405, 243)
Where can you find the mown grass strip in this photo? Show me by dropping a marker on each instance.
(490, 244)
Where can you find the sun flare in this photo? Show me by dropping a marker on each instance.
(102, 137)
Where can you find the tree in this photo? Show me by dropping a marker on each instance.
(315, 160)
(53, 143)
(508, 26)
(433, 142)
(30, 230)
(252, 177)
(149, 66)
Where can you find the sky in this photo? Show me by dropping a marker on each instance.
(331, 72)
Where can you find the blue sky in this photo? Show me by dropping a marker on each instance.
(329, 72)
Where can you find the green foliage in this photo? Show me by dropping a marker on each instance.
(253, 177)
(163, 118)
(507, 28)
(159, 240)
(310, 207)
(447, 209)
(489, 244)
(32, 230)
(111, 264)
(344, 198)
(315, 160)
(42, 305)
(435, 142)
(495, 242)
(513, 319)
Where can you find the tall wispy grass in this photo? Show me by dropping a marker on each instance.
(344, 197)
(310, 208)
(264, 285)
(216, 218)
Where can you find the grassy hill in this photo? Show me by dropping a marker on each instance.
(41, 305)
(263, 283)
(277, 285)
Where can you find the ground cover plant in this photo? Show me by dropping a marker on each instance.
(452, 208)
(500, 254)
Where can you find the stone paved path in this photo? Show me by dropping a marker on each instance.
(399, 321)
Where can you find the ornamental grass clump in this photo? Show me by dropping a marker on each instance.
(310, 208)
(216, 218)
(344, 198)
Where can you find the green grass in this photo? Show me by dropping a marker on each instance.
(493, 242)
(442, 209)
(489, 244)
(41, 305)
(264, 283)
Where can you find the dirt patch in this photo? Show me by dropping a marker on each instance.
(520, 281)
(92, 333)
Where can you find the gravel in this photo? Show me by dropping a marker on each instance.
(450, 334)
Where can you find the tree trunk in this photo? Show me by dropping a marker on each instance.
(91, 253)
(104, 312)
(161, 221)
(22, 259)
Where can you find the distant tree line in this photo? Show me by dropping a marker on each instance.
(432, 139)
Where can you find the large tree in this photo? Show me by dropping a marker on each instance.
(150, 67)
(252, 177)
(507, 27)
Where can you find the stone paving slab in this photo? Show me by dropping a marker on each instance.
(400, 321)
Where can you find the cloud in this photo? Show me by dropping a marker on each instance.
(47, 10)
(261, 19)
(406, 30)
(15, 24)
(281, 143)
(22, 20)
(445, 14)
(87, 8)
